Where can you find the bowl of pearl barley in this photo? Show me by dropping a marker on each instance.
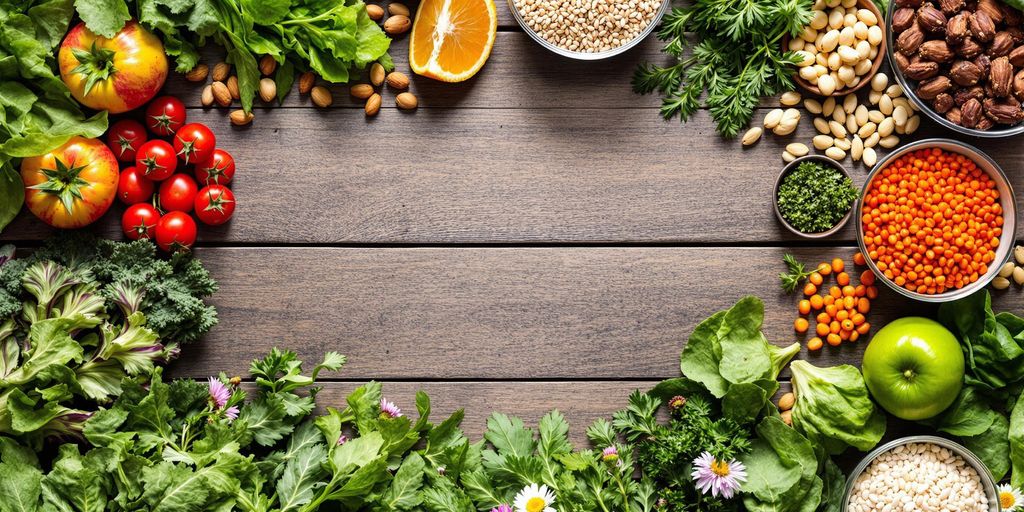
(588, 29)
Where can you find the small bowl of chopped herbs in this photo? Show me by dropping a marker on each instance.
(814, 196)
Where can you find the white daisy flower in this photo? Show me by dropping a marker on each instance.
(1010, 498)
(535, 499)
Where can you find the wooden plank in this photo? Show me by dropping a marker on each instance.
(497, 314)
(501, 176)
(519, 74)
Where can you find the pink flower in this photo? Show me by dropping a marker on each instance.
(502, 508)
(389, 409)
(610, 454)
(718, 476)
(231, 412)
(219, 393)
(342, 439)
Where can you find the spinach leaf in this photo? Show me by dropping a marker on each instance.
(994, 354)
(12, 194)
(969, 415)
(781, 471)
(993, 446)
(1016, 438)
(833, 408)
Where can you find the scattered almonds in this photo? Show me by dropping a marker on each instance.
(797, 149)
(268, 89)
(406, 101)
(396, 9)
(361, 91)
(790, 98)
(241, 117)
(232, 84)
(267, 65)
(306, 81)
(372, 104)
(221, 94)
(221, 71)
(377, 74)
(198, 73)
(207, 97)
(787, 401)
(321, 96)
(375, 12)
(1011, 269)
(399, 24)
(397, 80)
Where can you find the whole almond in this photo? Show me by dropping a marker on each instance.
(198, 73)
(406, 101)
(207, 97)
(321, 96)
(1018, 254)
(221, 94)
(221, 71)
(372, 105)
(787, 417)
(267, 65)
(397, 9)
(786, 401)
(232, 84)
(268, 89)
(306, 81)
(240, 117)
(398, 24)
(398, 80)
(361, 91)
(377, 74)
(375, 12)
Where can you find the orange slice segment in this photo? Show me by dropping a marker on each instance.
(452, 39)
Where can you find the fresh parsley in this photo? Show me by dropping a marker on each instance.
(813, 197)
(726, 55)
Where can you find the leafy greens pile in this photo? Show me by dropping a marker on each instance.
(329, 38)
(80, 315)
(736, 60)
(37, 113)
(988, 415)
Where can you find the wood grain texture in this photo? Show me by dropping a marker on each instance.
(506, 313)
(500, 176)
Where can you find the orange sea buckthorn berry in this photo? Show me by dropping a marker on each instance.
(810, 289)
(817, 302)
(834, 340)
(847, 325)
(842, 279)
(836, 292)
(867, 278)
(838, 265)
(822, 329)
(814, 344)
(864, 328)
(854, 336)
(815, 279)
(800, 324)
(863, 306)
(804, 307)
(824, 269)
(858, 259)
(872, 292)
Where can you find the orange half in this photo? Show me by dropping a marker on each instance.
(452, 39)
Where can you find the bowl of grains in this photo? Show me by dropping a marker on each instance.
(921, 473)
(588, 29)
(937, 220)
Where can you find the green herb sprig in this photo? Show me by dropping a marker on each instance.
(795, 274)
(736, 60)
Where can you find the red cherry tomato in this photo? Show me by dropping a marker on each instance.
(155, 160)
(215, 204)
(178, 193)
(175, 231)
(194, 143)
(218, 170)
(133, 187)
(125, 137)
(139, 221)
(165, 115)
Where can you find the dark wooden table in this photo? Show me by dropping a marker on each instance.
(534, 238)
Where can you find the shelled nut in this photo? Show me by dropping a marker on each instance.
(198, 73)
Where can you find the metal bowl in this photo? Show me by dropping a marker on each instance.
(987, 481)
(665, 5)
(1007, 199)
(824, 160)
(865, 79)
(908, 90)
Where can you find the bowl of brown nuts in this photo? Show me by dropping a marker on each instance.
(588, 29)
(840, 49)
(961, 62)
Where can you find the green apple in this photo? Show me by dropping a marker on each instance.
(914, 368)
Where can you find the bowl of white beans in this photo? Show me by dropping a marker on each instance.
(841, 48)
(921, 473)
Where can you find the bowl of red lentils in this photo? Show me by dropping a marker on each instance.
(937, 220)
(588, 29)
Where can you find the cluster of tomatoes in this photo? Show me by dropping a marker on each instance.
(169, 180)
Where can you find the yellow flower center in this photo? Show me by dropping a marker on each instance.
(1006, 500)
(536, 505)
(720, 468)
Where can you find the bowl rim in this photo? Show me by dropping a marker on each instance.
(876, 64)
(987, 481)
(665, 5)
(1009, 234)
(921, 105)
(786, 169)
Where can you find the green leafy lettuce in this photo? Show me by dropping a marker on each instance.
(833, 409)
